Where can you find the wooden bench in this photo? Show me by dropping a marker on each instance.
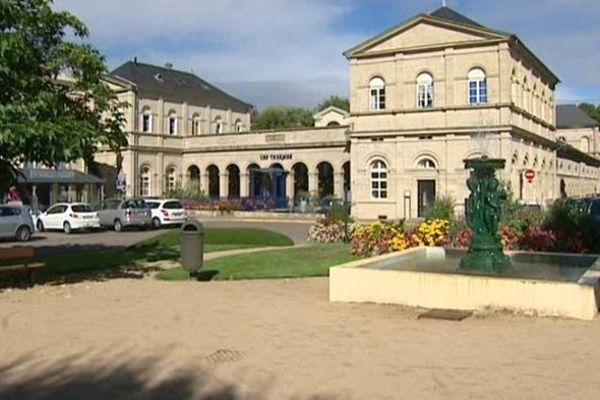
(24, 255)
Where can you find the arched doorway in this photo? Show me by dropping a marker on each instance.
(300, 171)
(325, 176)
(278, 178)
(254, 180)
(233, 173)
(213, 181)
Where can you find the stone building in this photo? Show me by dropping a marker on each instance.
(425, 95)
(438, 89)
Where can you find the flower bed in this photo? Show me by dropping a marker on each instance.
(228, 205)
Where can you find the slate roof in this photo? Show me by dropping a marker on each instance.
(156, 82)
(450, 15)
(571, 116)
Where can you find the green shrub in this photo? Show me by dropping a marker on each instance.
(441, 208)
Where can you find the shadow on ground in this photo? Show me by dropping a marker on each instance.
(70, 379)
(96, 263)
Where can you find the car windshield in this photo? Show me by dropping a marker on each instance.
(173, 205)
(82, 208)
(138, 203)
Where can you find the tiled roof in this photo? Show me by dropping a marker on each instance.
(178, 86)
(571, 116)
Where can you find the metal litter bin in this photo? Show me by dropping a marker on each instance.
(192, 246)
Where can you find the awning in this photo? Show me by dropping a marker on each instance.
(61, 176)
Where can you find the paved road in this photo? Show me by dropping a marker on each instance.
(57, 242)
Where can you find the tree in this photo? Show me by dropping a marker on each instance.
(336, 101)
(591, 110)
(280, 117)
(54, 105)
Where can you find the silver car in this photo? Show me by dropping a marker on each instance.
(121, 213)
(15, 223)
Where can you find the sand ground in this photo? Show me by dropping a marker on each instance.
(279, 339)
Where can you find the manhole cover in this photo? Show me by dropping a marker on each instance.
(223, 356)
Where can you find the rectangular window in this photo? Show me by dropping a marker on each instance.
(172, 126)
(146, 123)
(378, 99)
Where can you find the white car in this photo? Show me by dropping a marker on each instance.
(68, 217)
(166, 212)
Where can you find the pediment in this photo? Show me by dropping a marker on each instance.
(421, 33)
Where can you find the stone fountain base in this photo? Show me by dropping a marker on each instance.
(556, 285)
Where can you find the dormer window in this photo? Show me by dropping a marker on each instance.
(377, 94)
(158, 77)
(478, 92)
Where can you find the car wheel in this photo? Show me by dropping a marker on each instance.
(118, 226)
(156, 223)
(23, 234)
(40, 226)
(67, 228)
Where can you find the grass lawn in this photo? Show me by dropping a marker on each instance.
(289, 263)
(162, 247)
(219, 239)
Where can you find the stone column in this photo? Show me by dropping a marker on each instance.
(244, 184)
(204, 182)
(313, 183)
(338, 184)
(223, 185)
(289, 185)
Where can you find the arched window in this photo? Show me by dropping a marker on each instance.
(145, 181)
(333, 123)
(218, 125)
(172, 123)
(170, 180)
(477, 86)
(146, 120)
(585, 144)
(195, 125)
(377, 90)
(524, 95)
(514, 89)
(379, 181)
(238, 126)
(426, 163)
(424, 91)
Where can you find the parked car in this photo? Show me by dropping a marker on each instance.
(121, 213)
(594, 209)
(68, 217)
(166, 212)
(15, 223)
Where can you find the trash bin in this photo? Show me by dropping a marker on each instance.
(192, 246)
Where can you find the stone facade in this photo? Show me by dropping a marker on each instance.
(424, 96)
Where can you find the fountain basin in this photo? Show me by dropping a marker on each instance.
(544, 284)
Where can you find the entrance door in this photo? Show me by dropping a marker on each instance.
(426, 197)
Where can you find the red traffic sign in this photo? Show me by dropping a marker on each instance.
(529, 175)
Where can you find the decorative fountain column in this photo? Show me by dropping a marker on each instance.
(483, 213)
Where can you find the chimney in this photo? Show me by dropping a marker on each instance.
(135, 60)
(169, 65)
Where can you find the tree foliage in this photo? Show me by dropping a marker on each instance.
(54, 104)
(591, 110)
(336, 101)
(281, 117)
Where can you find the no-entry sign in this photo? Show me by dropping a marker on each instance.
(529, 175)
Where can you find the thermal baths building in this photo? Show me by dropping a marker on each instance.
(425, 95)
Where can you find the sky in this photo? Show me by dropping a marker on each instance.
(289, 52)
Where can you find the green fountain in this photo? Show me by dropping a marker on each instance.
(483, 212)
